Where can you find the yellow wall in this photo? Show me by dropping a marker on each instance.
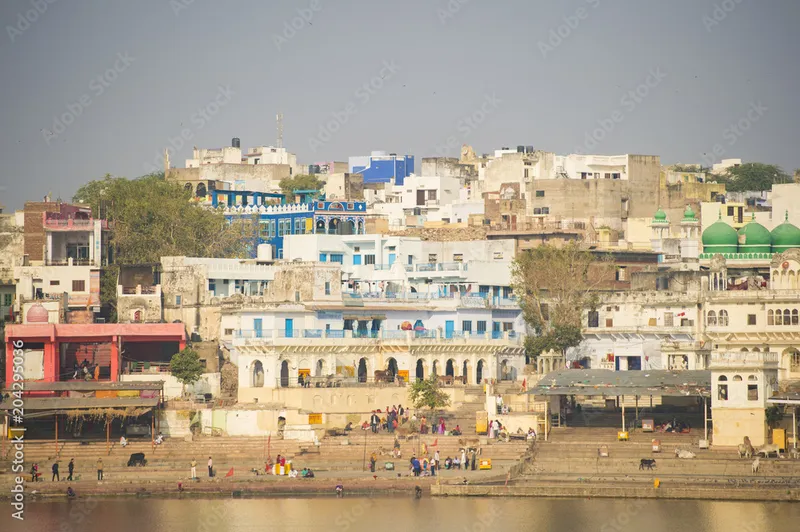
(731, 425)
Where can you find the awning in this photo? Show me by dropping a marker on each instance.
(86, 386)
(60, 405)
(603, 382)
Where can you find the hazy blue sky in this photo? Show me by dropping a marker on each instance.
(700, 67)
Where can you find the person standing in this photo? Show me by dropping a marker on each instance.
(463, 458)
(71, 468)
(436, 458)
(194, 469)
(373, 422)
(55, 471)
(210, 467)
(99, 469)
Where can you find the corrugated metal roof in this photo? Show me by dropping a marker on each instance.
(594, 382)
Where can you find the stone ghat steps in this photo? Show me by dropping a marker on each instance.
(627, 465)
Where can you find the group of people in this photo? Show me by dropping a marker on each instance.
(388, 421)
(36, 474)
(86, 370)
(429, 467)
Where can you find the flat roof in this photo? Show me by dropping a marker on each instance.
(95, 330)
(604, 382)
(83, 386)
(59, 405)
(790, 396)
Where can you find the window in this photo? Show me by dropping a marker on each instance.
(337, 257)
(327, 288)
(594, 318)
(466, 326)
(615, 175)
(545, 210)
(212, 286)
(7, 299)
(723, 318)
(356, 260)
(55, 283)
(722, 392)
(481, 327)
(506, 292)
(622, 274)
(526, 173)
(78, 286)
(540, 193)
(795, 318)
(787, 320)
(608, 175)
(392, 248)
(431, 195)
(751, 319)
(752, 392)
(458, 257)
(770, 317)
(432, 257)
(356, 249)
(778, 317)
(369, 259)
(730, 211)
(178, 300)
(712, 318)
(323, 257)
(609, 322)
(228, 332)
(263, 230)
(668, 319)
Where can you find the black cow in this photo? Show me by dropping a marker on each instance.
(137, 459)
(647, 463)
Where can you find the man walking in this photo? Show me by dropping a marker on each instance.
(210, 467)
(99, 469)
(71, 468)
(373, 422)
(55, 471)
(194, 469)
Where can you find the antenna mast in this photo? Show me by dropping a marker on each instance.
(279, 119)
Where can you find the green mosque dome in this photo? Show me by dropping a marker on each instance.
(720, 237)
(660, 216)
(786, 236)
(754, 238)
(689, 215)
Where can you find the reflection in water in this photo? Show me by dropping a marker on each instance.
(402, 514)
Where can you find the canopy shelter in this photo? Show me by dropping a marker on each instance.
(608, 383)
(789, 397)
(99, 400)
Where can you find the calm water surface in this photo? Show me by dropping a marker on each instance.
(404, 514)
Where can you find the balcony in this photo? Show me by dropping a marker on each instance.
(69, 262)
(744, 360)
(395, 337)
(139, 290)
(73, 224)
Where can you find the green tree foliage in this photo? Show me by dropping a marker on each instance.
(753, 177)
(554, 286)
(154, 218)
(425, 393)
(185, 366)
(299, 182)
(774, 416)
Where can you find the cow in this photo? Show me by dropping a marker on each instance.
(768, 449)
(647, 463)
(137, 459)
(745, 451)
(446, 380)
(382, 376)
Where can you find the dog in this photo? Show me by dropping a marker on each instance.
(647, 463)
(755, 465)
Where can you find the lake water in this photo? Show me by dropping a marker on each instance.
(403, 514)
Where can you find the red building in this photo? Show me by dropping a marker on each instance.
(53, 351)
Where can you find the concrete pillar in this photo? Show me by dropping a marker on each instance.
(9, 361)
(50, 366)
(49, 248)
(91, 248)
(114, 359)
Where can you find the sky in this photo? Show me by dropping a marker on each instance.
(95, 87)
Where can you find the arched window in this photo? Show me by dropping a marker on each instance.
(743, 350)
(722, 378)
(770, 317)
(201, 190)
(752, 378)
(137, 316)
(787, 317)
(258, 374)
(795, 320)
(778, 317)
(187, 187)
(737, 378)
(723, 318)
(712, 318)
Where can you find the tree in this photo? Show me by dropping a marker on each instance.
(554, 287)
(425, 393)
(185, 366)
(753, 177)
(153, 218)
(299, 182)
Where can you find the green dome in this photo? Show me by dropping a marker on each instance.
(689, 215)
(754, 238)
(786, 236)
(660, 216)
(720, 237)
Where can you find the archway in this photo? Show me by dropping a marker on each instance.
(449, 370)
(321, 368)
(284, 374)
(479, 371)
(320, 227)
(507, 371)
(348, 228)
(361, 228)
(201, 190)
(391, 368)
(792, 357)
(333, 226)
(465, 371)
(258, 374)
(420, 372)
(187, 187)
(435, 368)
(362, 370)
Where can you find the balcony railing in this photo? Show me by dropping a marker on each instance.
(744, 359)
(383, 335)
(69, 262)
(74, 224)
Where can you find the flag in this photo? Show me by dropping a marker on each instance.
(435, 442)
(230, 473)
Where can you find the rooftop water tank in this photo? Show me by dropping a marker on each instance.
(520, 149)
(235, 142)
(264, 252)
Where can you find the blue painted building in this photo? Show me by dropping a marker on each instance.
(278, 219)
(382, 167)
